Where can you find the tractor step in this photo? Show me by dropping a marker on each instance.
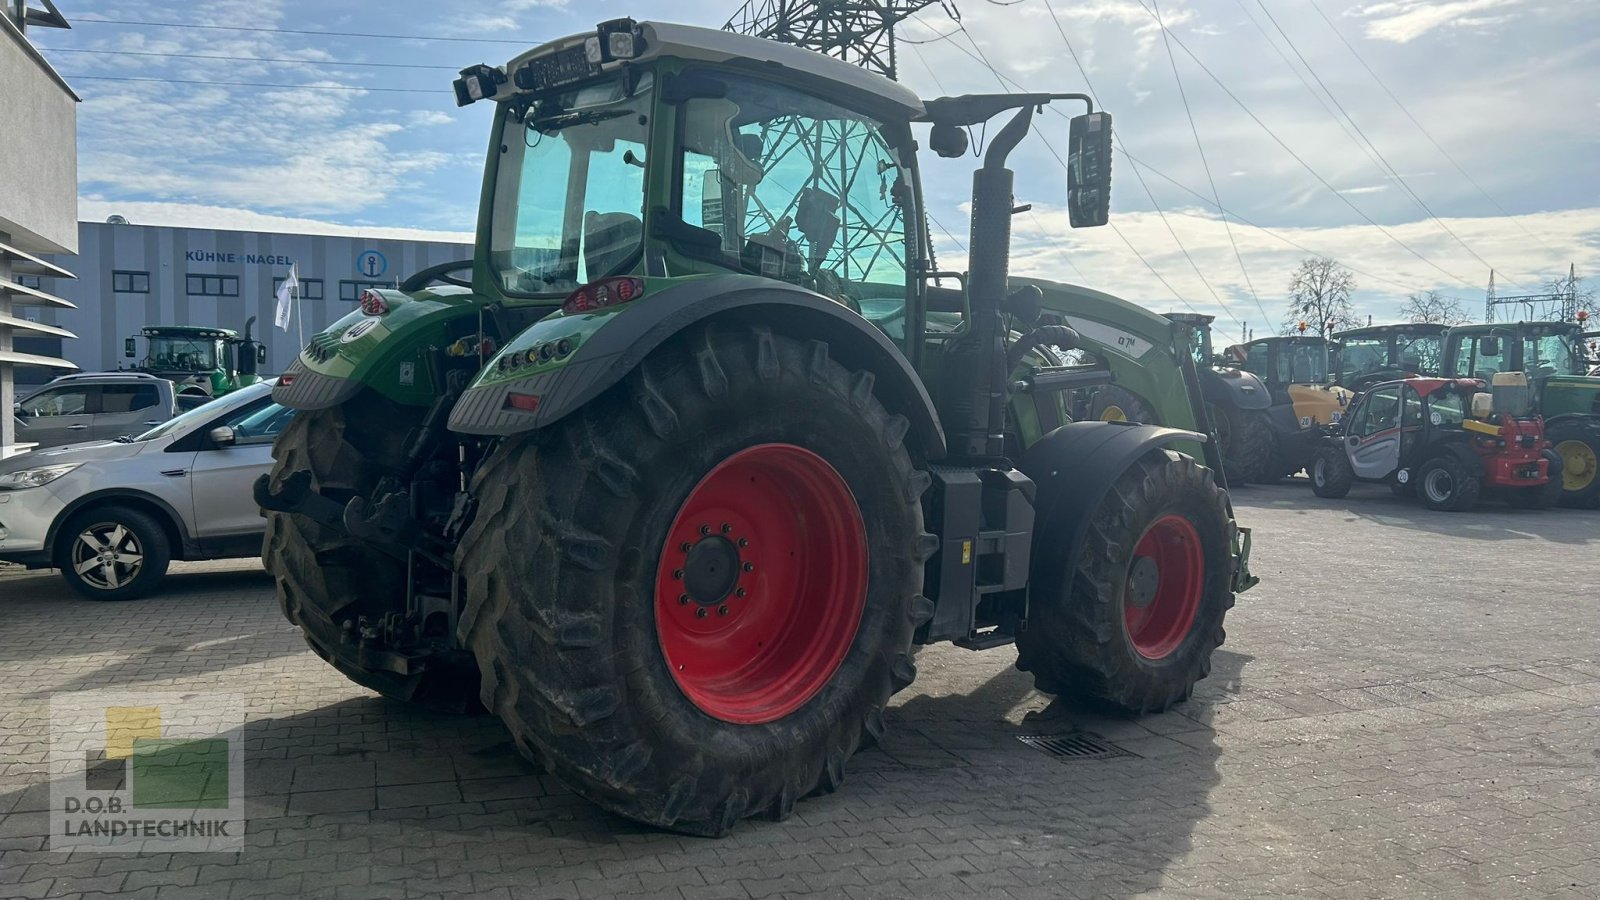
(986, 640)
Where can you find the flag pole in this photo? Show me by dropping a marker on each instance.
(299, 316)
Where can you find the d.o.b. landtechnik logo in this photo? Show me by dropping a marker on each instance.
(146, 772)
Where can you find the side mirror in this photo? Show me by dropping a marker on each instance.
(18, 411)
(1489, 346)
(128, 348)
(1089, 170)
(222, 436)
(261, 354)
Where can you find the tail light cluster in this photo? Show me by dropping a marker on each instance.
(603, 293)
(372, 303)
(539, 353)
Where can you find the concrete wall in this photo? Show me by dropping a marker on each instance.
(169, 255)
(38, 149)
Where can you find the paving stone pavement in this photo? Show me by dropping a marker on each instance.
(1406, 707)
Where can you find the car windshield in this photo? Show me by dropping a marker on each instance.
(184, 354)
(202, 413)
(569, 196)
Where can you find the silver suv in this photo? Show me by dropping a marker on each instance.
(94, 406)
(112, 514)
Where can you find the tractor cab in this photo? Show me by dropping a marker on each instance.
(1368, 356)
(199, 359)
(1444, 440)
(1298, 374)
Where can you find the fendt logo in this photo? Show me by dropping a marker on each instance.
(137, 772)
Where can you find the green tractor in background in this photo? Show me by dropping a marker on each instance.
(1378, 353)
(1296, 370)
(674, 475)
(1554, 357)
(201, 360)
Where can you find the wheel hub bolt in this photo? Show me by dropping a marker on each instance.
(739, 592)
(722, 610)
(683, 599)
(705, 529)
(744, 542)
(685, 546)
(700, 613)
(749, 567)
(677, 574)
(726, 528)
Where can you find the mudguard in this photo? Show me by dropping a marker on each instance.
(610, 343)
(1458, 449)
(1073, 467)
(1235, 389)
(386, 353)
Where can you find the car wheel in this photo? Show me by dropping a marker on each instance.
(113, 553)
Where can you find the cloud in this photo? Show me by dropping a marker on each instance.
(1405, 21)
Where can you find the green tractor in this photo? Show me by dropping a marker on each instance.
(676, 472)
(202, 361)
(1553, 354)
(1378, 353)
(1296, 370)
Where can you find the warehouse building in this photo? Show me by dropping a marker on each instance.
(131, 275)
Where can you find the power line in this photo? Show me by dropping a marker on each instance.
(1195, 130)
(1088, 83)
(247, 59)
(258, 29)
(1383, 162)
(1443, 152)
(255, 84)
(1297, 158)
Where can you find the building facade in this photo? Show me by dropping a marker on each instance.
(38, 201)
(130, 276)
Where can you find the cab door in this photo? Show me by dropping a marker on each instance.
(1372, 438)
(58, 415)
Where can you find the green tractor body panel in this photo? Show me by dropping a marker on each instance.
(389, 353)
(1570, 395)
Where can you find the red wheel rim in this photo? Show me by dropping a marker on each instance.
(1165, 581)
(761, 583)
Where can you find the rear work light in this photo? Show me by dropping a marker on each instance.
(603, 293)
(372, 304)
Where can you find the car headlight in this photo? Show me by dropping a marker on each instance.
(32, 478)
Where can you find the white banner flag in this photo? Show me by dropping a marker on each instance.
(285, 297)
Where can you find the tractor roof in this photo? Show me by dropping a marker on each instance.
(663, 39)
(199, 331)
(1518, 327)
(1198, 320)
(1427, 387)
(1397, 328)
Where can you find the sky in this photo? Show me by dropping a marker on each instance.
(1418, 142)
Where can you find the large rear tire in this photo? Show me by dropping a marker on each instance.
(1135, 623)
(693, 598)
(1256, 455)
(324, 577)
(1577, 442)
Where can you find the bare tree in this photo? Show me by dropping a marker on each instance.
(1319, 296)
(1559, 289)
(1434, 308)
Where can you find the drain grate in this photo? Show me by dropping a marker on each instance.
(1074, 747)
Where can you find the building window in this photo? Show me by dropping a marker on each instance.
(213, 285)
(310, 288)
(351, 290)
(130, 282)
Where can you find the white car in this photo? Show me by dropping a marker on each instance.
(112, 514)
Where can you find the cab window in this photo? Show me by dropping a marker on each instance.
(1380, 413)
(1255, 360)
(1446, 408)
(1474, 360)
(121, 398)
(259, 423)
(66, 401)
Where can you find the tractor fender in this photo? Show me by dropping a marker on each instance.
(1234, 389)
(617, 347)
(1073, 467)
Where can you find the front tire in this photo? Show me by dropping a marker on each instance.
(1135, 624)
(324, 577)
(113, 553)
(1257, 457)
(1445, 484)
(692, 598)
(1331, 475)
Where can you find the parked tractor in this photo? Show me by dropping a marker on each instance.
(199, 359)
(1446, 441)
(1239, 405)
(1553, 356)
(1377, 353)
(674, 475)
(1304, 401)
